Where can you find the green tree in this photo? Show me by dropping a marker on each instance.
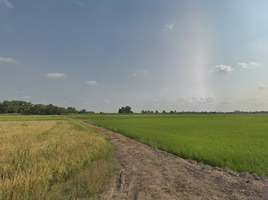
(126, 109)
(83, 111)
(72, 110)
(38, 109)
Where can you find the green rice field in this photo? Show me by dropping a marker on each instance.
(239, 142)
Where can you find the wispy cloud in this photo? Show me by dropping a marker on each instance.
(78, 3)
(170, 27)
(183, 99)
(223, 69)
(25, 97)
(6, 3)
(208, 99)
(250, 65)
(154, 101)
(106, 100)
(186, 100)
(55, 75)
(138, 72)
(91, 82)
(226, 102)
(8, 60)
(262, 86)
(259, 100)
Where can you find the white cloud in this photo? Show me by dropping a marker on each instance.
(259, 101)
(25, 97)
(250, 65)
(208, 99)
(137, 72)
(170, 26)
(6, 3)
(223, 69)
(262, 86)
(189, 102)
(226, 102)
(186, 100)
(91, 82)
(169, 100)
(55, 75)
(106, 100)
(154, 101)
(182, 99)
(8, 60)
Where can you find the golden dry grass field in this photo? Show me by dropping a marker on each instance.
(58, 159)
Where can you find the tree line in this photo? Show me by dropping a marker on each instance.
(28, 108)
(156, 112)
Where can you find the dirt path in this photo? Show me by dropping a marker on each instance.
(149, 173)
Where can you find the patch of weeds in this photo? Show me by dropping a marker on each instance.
(107, 139)
(182, 186)
(89, 183)
(166, 189)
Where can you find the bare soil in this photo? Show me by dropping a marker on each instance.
(148, 173)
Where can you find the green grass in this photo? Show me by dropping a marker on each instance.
(239, 142)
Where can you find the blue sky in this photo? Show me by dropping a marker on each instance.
(193, 55)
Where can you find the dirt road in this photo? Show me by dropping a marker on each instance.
(149, 173)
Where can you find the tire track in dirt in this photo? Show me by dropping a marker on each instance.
(149, 173)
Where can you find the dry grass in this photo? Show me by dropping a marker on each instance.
(38, 156)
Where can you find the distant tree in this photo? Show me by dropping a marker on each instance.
(164, 112)
(27, 108)
(72, 110)
(11, 106)
(126, 109)
(51, 110)
(156, 111)
(171, 112)
(83, 111)
(38, 109)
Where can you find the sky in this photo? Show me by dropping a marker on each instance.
(191, 55)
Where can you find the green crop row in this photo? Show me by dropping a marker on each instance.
(239, 142)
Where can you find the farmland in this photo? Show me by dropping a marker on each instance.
(48, 158)
(239, 142)
(56, 157)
